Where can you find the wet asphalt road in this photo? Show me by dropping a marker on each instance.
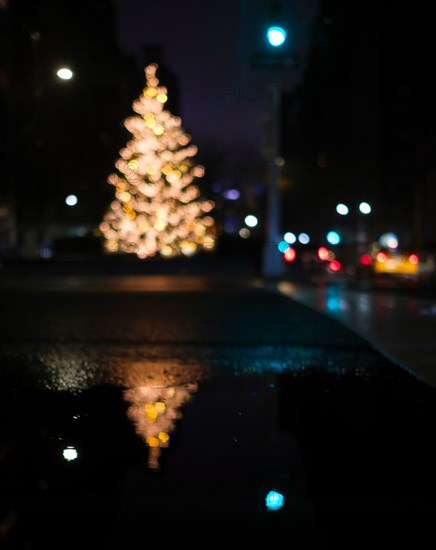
(182, 401)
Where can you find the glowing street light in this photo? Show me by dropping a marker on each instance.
(276, 36)
(71, 200)
(290, 237)
(251, 220)
(274, 500)
(272, 264)
(64, 73)
(304, 238)
(389, 240)
(333, 237)
(283, 246)
(365, 208)
(342, 209)
(70, 453)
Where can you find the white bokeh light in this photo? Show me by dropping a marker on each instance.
(290, 237)
(276, 36)
(342, 209)
(365, 207)
(70, 453)
(251, 220)
(65, 73)
(71, 200)
(304, 238)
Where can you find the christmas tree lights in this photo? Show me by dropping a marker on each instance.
(158, 209)
(154, 410)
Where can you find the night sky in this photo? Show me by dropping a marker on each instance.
(208, 46)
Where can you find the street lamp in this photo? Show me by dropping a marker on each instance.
(365, 208)
(251, 220)
(64, 73)
(333, 237)
(71, 200)
(342, 209)
(272, 262)
(276, 36)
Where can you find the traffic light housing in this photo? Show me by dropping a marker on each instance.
(276, 29)
(276, 35)
(275, 51)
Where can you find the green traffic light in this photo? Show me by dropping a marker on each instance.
(276, 36)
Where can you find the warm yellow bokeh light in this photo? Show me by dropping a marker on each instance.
(160, 406)
(159, 210)
(125, 196)
(164, 437)
(189, 248)
(167, 251)
(160, 225)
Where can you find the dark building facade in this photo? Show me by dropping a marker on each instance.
(365, 124)
(60, 137)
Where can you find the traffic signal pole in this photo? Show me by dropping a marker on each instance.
(273, 263)
(272, 259)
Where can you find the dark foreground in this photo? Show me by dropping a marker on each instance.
(187, 401)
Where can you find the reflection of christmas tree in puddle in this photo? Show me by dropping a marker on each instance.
(154, 410)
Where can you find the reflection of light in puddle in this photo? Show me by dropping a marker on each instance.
(274, 501)
(70, 453)
(154, 410)
(68, 367)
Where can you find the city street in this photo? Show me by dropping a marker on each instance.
(135, 406)
(217, 275)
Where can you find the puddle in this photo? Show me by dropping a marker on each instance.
(271, 457)
(154, 410)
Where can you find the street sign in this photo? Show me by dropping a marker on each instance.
(273, 60)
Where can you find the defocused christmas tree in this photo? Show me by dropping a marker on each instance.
(154, 411)
(158, 209)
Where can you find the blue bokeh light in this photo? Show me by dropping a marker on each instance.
(283, 246)
(342, 209)
(274, 500)
(276, 36)
(333, 237)
(231, 194)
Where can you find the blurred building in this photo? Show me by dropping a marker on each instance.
(59, 137)
(362, 124)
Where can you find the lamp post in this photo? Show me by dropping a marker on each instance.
(275, 56)
(64, 73)
(272, 261)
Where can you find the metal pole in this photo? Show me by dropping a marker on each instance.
(272, 261)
